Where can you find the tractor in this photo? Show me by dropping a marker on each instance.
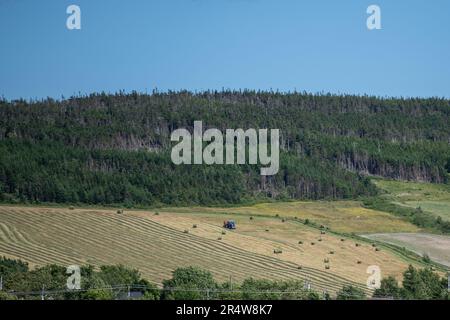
(229, 224)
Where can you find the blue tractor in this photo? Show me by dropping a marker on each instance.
(229, 224)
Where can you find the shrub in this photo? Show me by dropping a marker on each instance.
(426, 258)
(349, 292)
(191, 284)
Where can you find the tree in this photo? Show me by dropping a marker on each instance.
(98, 294)
(388, 289)
(189, 283)
(349, 292)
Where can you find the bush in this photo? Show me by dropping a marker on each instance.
(349, 292)
(192, 283)
(426, 258)
(388, 289)
(5, 296)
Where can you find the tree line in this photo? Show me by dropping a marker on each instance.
(193, 283)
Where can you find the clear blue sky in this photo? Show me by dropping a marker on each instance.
(320, 45)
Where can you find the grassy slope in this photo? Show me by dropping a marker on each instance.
(340, 216)
(432, 198)
(157, 244)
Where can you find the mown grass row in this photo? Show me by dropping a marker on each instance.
(68, 237)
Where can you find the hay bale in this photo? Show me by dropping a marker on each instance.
(186, 231)
(300, 242)
(327, 267)
(326, 260)
(342, 239)
(224, 232)
(299, 267)
(357, 245)
(251, 218)
(267, 230)
(377, 249)
(283, 220)
(320, 240)
(194, 226)
(71, 208)
(120, 211)
(331, 252)
(359, 262)
(219, 238)
(313, 243)
(156, 213)
(322, 232)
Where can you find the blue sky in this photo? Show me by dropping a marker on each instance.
(321, 45)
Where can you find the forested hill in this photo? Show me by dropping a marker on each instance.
(112, 149)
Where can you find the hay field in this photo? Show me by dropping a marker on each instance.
(157, 244)
(341, 216)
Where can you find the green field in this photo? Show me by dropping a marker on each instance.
(431, 198)
(341, 216)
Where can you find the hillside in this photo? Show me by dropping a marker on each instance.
(115, 149)
(157, 244)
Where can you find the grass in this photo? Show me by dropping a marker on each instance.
(272, 240)
(434, 246)
(431, 198)
(157, 244)
(340, 216)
